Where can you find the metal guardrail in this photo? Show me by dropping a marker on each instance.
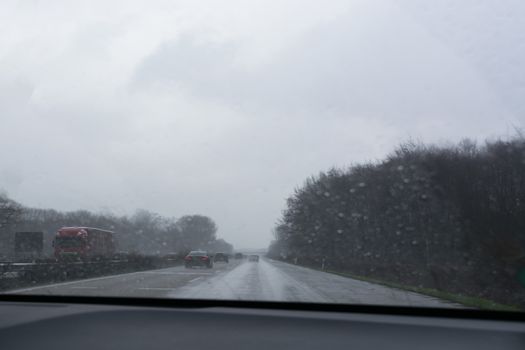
(19, 274)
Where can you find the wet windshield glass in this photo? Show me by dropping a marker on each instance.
(345, 151)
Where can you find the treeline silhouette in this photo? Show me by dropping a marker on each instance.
(144, 232)
(450, 218)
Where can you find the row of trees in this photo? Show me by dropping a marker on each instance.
(144, 232)
(450, 218)
(9, 210)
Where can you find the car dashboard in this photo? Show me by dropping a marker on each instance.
(101, 323)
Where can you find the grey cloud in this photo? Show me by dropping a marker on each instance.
(369, 65)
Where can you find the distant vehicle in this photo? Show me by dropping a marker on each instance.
(239, 256)
(84, 243)
(198, 258)
(253, 258)
(221, 257)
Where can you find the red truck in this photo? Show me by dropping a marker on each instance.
(83, 243)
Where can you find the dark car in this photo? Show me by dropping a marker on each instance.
(253, 258)
(221, 257)
(239, 256)
(198, 258)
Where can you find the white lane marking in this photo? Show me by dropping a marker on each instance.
(217, 287)
(195, 279)
(55, 285)
(85, 287)
(69, 283)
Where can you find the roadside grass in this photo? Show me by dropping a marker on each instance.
(465, 300)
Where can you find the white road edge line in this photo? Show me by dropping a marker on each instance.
(14, 291)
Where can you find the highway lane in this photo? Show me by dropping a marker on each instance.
(152, 283)
(242, 280)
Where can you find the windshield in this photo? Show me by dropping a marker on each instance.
(345, 151)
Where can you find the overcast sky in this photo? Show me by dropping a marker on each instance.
(221, 108)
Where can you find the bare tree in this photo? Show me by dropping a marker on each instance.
(9, 211)
(449, 217)
(197, 231)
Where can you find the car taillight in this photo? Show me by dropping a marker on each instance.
(188, 258)
(204, 258)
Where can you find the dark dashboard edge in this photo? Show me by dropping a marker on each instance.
(297, 306)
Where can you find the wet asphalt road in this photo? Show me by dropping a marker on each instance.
(240, 280)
